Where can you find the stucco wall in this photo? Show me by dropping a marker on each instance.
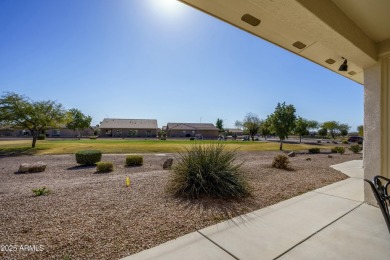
(205, 133)
(376, 123)
(124, 133)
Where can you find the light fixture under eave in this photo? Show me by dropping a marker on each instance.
(344, 66)
(250, 19)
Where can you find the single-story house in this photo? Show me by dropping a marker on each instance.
(64, 132)
(234, 131)
(61, 132)
(114, 127)
(206, 130)
(7, 131)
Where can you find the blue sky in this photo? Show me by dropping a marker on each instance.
(159, 59)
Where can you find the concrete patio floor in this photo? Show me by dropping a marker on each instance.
(332, 222)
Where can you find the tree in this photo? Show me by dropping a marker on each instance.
(251, 124)
(219, 124)
(77, 120)
(265, 128)
(301, 127)
(238, 124)
(323, 132)
(312, 124)
(360, 130)
(335, 128)
(343, 129)
(283, 121)
(332, 127)
(36, 116)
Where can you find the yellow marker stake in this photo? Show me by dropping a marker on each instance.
(127, 181)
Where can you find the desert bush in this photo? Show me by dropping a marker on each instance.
(134, 160)
(207, 170)
(41, 137)
(308, 159)
(314, 150)
(355, 148)
(88, 157)
(338, 149)
(281, 162)
(104, 166)
(40, 191)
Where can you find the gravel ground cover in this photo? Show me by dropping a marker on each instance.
(95, 216)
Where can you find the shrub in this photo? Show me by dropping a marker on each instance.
(281, 162)
(207, 170)
(134, 160)
(330, 156)
(192, 138)
(88, 157)
(93, 137)
(355, 148)
(338, 149)
(104, 166)
(40, 191)
(314, 150)
(345, 142)
(41, 137)
(308, 159)
(163, 138)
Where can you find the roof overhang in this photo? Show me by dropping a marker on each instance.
(323, 31)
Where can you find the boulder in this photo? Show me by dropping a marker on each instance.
(168, 164)
(291, 154)
(24, 167)
(34, 167)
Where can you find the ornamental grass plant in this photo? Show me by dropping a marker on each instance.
(208, 171)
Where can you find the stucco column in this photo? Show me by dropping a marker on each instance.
(376, 122)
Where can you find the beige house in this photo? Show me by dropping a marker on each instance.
(69, 133)
(204, 130)
(52, 132)
(113, 127)
(235, 131)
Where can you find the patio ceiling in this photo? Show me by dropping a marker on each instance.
(323, 31)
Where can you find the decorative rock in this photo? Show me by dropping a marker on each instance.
(291, 154)
(168, 164)
(24, 167)
(35, 167)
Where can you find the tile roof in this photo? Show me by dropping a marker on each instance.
(115, 123)
(191, 126)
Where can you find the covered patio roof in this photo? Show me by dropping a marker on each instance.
(323, 31)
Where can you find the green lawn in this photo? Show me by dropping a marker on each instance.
(132, 146)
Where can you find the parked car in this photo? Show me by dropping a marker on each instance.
(198, 137)
(355, 139)
(245, 138)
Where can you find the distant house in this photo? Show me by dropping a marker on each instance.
(235, 131)
(64, 132)
(8, 131)
(205, 130)
(113, 127)
(52, 132)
